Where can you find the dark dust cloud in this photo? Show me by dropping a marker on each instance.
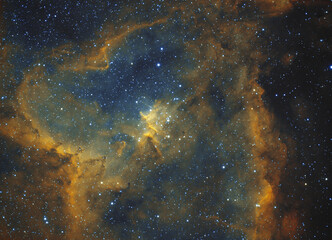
(165, 119)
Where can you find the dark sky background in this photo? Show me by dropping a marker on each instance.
(159, 120)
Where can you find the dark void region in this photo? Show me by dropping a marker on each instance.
(37, 24)
(297, 90)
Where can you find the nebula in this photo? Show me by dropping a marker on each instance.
(160, 120)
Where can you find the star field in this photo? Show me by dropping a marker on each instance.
(165, 120)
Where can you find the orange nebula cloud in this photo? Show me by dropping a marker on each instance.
(79, 176)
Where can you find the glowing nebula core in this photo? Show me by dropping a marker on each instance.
(160, 120)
